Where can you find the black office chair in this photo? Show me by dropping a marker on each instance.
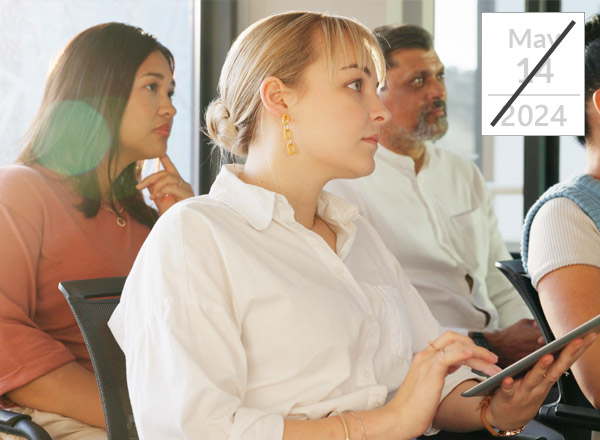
(21, 425)
(92, 302)
(572, 414)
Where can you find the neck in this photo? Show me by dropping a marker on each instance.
(593, 161)
(104, 183)
(275, 176)
(415, 149)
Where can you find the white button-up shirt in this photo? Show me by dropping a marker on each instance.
(235, 316)
(440, 224)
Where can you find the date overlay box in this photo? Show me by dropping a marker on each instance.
(532, 74)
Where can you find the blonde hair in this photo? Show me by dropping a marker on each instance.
(282, 45)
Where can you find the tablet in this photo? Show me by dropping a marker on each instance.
(521, 366)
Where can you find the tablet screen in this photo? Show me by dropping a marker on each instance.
(523, 365)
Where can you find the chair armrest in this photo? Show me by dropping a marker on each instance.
(476, 435)
(575, 416)
(21, 425)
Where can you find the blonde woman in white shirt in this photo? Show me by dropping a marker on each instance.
(263, 308)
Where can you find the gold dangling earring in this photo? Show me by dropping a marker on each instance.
(287, 134)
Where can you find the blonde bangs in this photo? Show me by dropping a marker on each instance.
(342, 36)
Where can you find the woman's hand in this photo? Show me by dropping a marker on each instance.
(517, 402)
(417, 400)
(166, 186)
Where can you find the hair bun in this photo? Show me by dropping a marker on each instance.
(592, 29)
(219, 126)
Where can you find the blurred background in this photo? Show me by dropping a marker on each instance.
(199, 32)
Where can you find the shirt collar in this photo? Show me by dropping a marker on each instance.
(400, 160)
(260, 206)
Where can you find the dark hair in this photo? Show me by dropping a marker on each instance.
(401, 36)
(592, 65)
(78, 122)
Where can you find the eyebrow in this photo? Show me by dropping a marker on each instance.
(355, 66)
(159, 76)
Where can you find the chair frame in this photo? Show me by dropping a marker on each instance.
(571, 414)
(106, 292)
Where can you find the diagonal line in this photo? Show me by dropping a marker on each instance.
(533, 72)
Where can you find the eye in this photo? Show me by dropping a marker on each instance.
(441, 75)
(152, 87)
(170, 93)
(417, 82)
(356, 85)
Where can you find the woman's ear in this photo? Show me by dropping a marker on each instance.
(274, 95)
(596, 101)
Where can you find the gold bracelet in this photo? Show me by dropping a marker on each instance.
(360, 423)
(341, 414)
(496, 433)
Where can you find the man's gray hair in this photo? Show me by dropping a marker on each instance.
(401, 36)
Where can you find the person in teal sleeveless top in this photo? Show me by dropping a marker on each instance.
(561, 234)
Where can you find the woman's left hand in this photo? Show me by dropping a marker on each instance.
(517, 401)
(166, 186)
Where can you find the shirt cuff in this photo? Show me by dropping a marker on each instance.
(253, 424)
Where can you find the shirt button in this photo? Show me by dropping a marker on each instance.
(366, 374)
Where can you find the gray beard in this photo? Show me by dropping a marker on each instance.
(427, 131)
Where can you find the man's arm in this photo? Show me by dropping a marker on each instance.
(513, 342)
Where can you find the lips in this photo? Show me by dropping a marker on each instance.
(373, 139)
(438, 112)
(163, 130)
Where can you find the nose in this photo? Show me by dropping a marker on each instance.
(167, 108)
(437, 89)
(379, 112)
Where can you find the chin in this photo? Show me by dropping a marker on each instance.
(363, 171)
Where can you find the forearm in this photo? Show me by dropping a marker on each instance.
(457, 413)
(70, 390)
(379, 424)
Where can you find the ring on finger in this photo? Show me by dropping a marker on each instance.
(550, 378)
(441, 350)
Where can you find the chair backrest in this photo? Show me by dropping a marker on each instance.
(92, 302)
(513, 270)
(570, 393)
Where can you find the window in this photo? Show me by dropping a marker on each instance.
(500, 158)
(33, 32)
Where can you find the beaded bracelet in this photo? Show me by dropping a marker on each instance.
(496, 433)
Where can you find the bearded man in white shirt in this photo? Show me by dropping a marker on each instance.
(433, 208)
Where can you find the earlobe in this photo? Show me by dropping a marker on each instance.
(596, 101)
(274, 93)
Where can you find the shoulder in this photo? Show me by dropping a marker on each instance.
(191, 220)
(19, 174)
(561, 214)
(20, 184)
(561, 234)
(443, 158)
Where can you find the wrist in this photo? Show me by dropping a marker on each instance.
(490, 422)
(480, 339)
(495, 345)
(391, 422)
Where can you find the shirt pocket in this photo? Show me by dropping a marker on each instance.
(470, 237)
